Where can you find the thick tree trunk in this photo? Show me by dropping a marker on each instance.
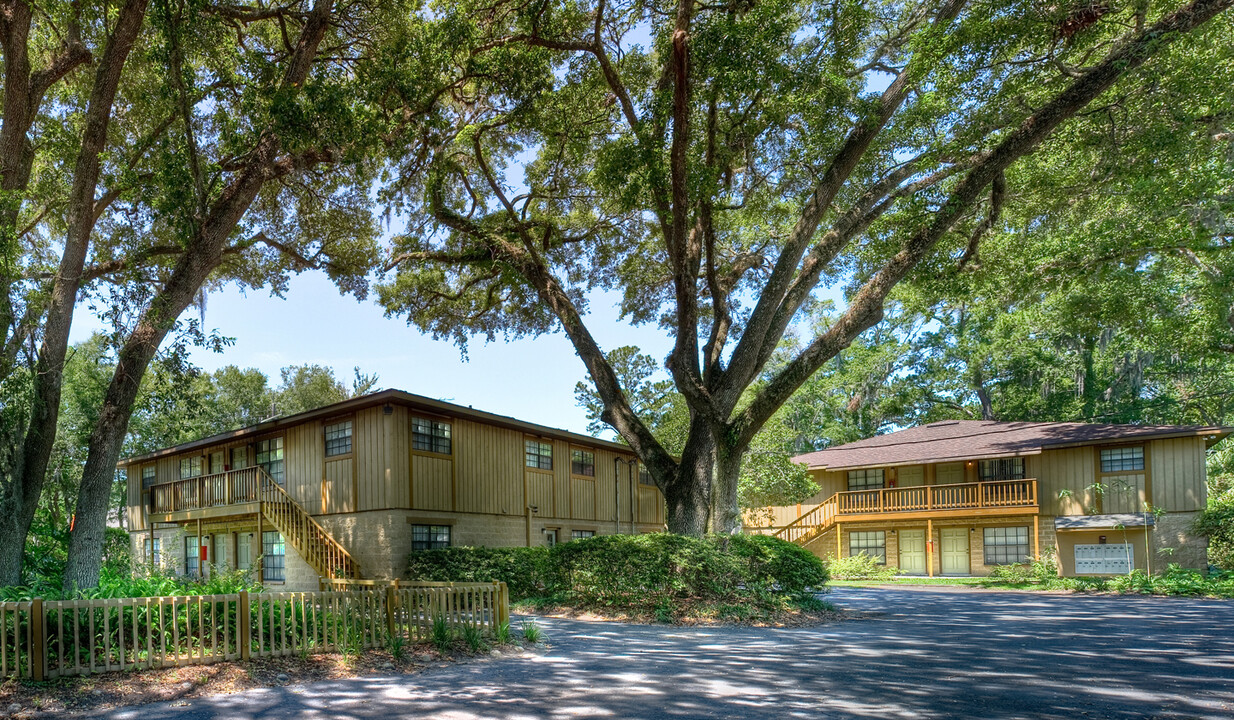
(106, 441)
(725, 508)
(687, 494)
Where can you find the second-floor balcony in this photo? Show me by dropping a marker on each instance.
(206, 495)
(995, 497)
(931, 498)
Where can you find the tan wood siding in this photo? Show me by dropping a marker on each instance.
(540, 493)
(381, 444)
(1123, 493)
(303, 461)
(1072, 470)
(1178, 473)
(583, 494)
(561, 478)
(432, 486)
(489, 466)
(337, 488)
(650, 506)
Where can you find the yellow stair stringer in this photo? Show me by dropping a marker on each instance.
(314, 543)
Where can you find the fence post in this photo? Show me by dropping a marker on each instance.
(391, 612)
(38, 633)
(504, 604)
(245, 630)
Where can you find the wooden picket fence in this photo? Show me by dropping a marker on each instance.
(49, 639)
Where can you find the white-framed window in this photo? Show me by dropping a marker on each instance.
(868, 479)
(1001, 469)
(270, 458)
(192, 555)
(239, 458)
(216, 462)
(338, 438)
(430, 436)
(644, 476)
(430, 537)
(538, 454)
(151, 548)
(581, 534)
(1122, 459)
(273, 557)
(149, 474)
(1006, 545)
(550, 537)
(583, 462)
(190, 467)
(869, 542)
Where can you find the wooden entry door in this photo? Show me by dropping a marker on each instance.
(912, 552)
(955, 551)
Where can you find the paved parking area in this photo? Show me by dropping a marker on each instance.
(928, 653)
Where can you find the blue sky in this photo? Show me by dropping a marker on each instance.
(531, 379)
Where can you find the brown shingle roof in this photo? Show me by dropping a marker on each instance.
(953, 440)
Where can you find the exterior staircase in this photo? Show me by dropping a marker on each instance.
(318, 548)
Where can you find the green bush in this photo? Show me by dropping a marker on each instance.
(656, 574)
(860, 567)
(526, 571)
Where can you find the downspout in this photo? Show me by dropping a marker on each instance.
(632, 468)
(616, 496)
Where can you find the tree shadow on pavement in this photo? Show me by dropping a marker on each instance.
(931, 653)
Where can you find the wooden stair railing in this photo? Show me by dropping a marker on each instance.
(305, 534)
(811, 523)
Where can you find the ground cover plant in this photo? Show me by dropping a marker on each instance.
(659, 576)
(859, 567)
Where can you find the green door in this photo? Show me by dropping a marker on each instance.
(955, 551)
(912, 552)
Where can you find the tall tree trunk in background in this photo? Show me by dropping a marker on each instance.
(203, 254)
(27, 442)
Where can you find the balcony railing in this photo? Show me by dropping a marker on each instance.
(226, 488)
(975, 497)
(960, 496)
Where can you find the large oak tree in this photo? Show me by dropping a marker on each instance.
(720, 162)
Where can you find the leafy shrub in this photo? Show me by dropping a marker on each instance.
(121, 583)
(1216, 522)
(526, 571)
(653, 574)
(859, 567)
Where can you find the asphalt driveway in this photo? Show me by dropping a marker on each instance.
(929, 653)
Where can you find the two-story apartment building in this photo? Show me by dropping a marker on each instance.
(960, 497)
(349, 490)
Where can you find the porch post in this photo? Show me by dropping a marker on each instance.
(839, 541)
(257, 546)
(930, 547)
(1037, 536)
(200, 569)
